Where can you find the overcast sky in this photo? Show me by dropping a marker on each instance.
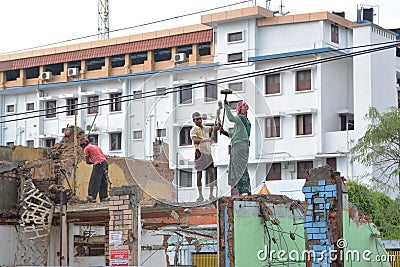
(31, 23)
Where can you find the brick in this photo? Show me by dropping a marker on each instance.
(319, 224)
(321, 182)
(316, 189)
(330, 188)
(312, 230)
(319, 236)
(127, 212)
(309, 218)
(306, 189)
(112, 208)
(118, 202)
(307, 225)
(309, 195)
(123, 207)
(318, 200)
(325, 194)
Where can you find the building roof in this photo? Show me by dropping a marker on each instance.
(103, 51)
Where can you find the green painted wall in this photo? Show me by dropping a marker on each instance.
(251, 237)
(360, 240)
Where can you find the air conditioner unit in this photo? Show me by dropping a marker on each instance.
(46, 76)
(73, 72)
(180, 57)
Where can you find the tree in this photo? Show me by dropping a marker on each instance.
(379, 207)
(380, 146)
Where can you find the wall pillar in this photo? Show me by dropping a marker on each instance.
(324, 216)
(123, 228)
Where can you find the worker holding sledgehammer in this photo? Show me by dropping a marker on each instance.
(238, 176)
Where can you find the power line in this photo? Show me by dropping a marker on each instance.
(191, 86)
(127, 28)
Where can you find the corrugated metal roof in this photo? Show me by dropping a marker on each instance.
(138, 46)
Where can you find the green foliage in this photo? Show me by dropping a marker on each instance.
(380, 145)
(380, 208)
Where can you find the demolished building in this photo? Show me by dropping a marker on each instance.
(45, 220)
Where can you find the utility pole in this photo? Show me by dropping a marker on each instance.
(103, 20)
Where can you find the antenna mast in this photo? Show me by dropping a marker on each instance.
(103, 20)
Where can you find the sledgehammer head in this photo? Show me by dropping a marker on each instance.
(226, 91)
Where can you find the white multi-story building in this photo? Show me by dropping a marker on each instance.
(307, 105)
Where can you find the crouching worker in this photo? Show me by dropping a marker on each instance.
(98, 183)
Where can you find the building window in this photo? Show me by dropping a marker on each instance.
(235, 37)
(32, 73)
(208, 177)
(12, 75)
(273, 127)
(50, 107)
(161, 91)
(302, 167)
(138, 58)
(115, 102)
(71, 106)
(304, 124)
(185, 94)
(161, 132)
(346, 122)
(163, 54)
(93, 139)
(184, 137)
(275, 172)
(50, 142)
(235, 57)
(185, 178)
(30, 106)
(115, 141)
(138, 134)
(205, 49)
(92, 104)
(10, 109)
(210, 92)
(9, 143)
(137, 95)
(117, 61)
(75, 64)
(187, 49)
(95, 63)
(237, 86)
(334, 33)
(273, 84)
(55, 69)
(303, 80)
(30, 143)
(331, 162)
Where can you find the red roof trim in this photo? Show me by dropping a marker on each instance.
(106, 51)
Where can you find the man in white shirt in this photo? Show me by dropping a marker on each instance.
(203, 159)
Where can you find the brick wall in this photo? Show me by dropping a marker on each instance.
(123, 219)
(323, 225)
